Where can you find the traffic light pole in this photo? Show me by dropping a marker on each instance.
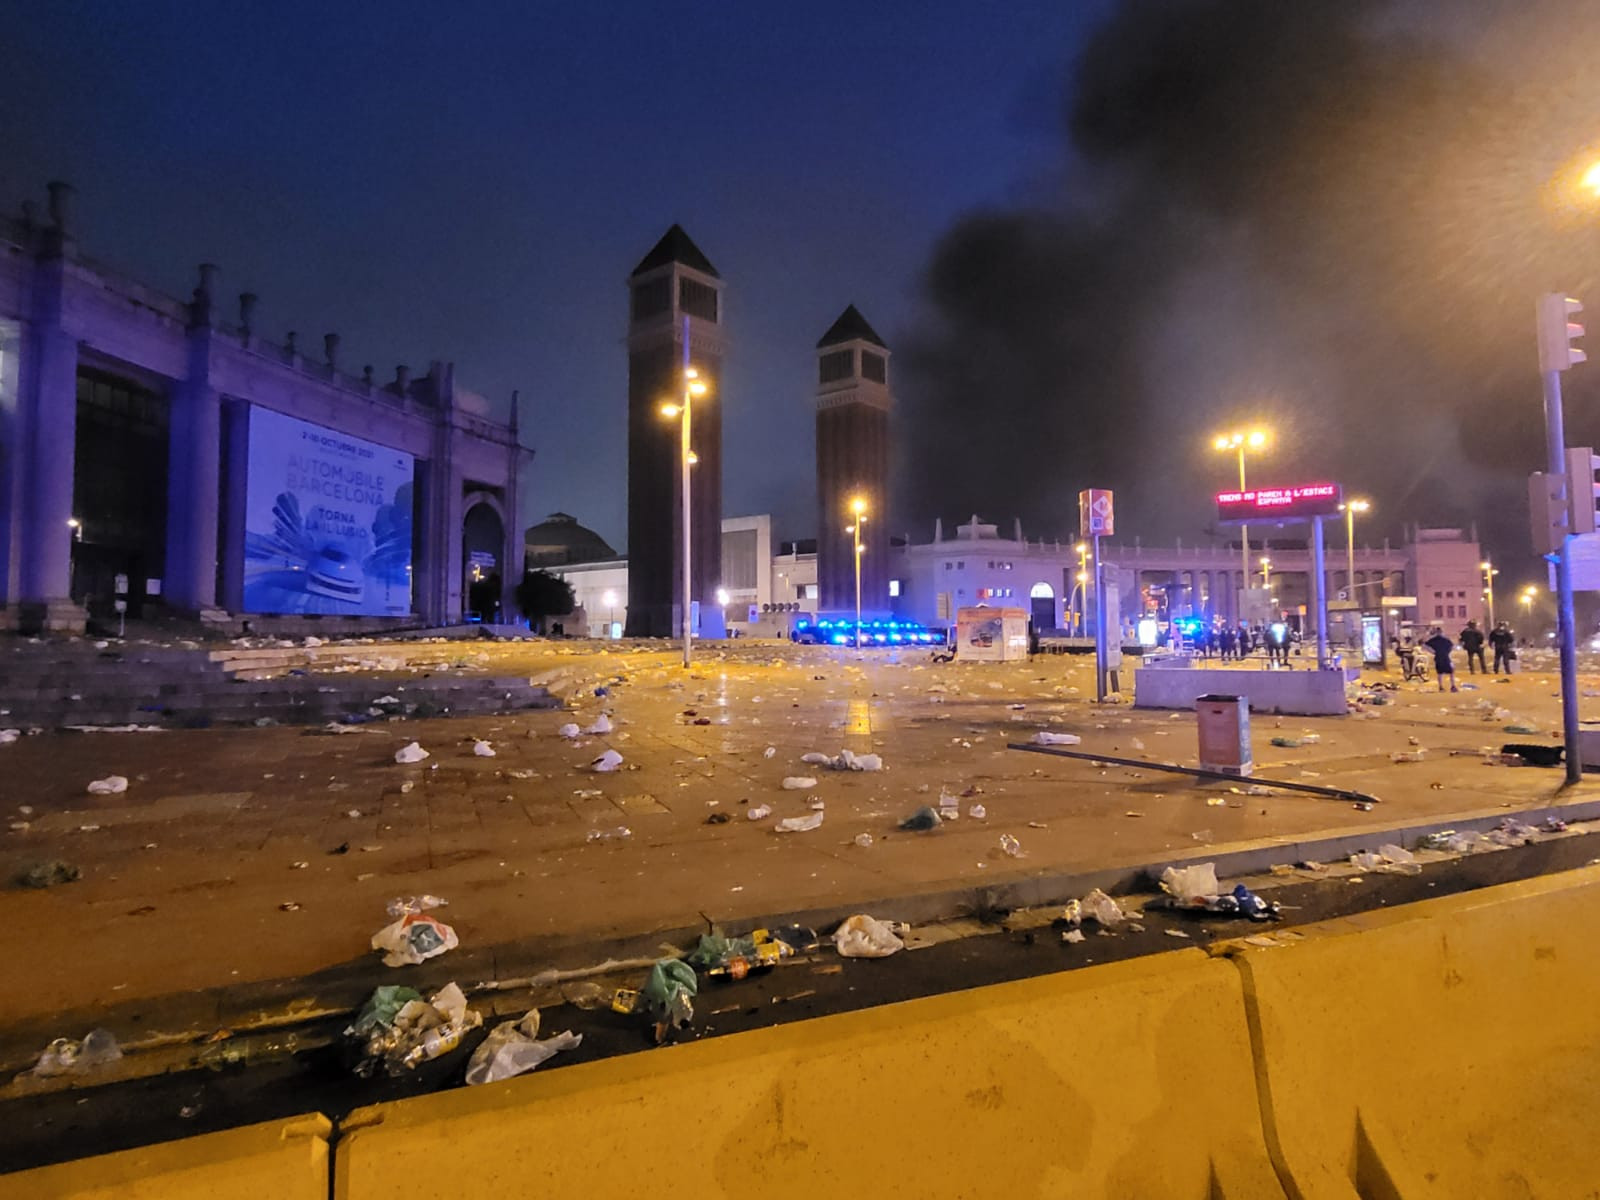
(1566, 627)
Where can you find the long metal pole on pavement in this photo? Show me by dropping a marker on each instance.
(1244, 530)
(1101, 651)
(688, 568)
(1350, 551)
(1319, 592)
(1566, 628)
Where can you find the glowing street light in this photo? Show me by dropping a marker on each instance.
(693, 386)
(1351, 508)
(1266, 573)
(1591, 180)
(858, 509)
(1254, 439)
(1489, 572)
(1528, 593)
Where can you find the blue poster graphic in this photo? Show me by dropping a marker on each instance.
(327, 521)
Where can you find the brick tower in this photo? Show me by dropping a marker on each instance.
(852, 461)
(673, 288)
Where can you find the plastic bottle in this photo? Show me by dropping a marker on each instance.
(439, 1041)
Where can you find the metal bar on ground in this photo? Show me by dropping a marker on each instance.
(1198, 772)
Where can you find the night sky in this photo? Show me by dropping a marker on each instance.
(1094, 233)
(473, 182)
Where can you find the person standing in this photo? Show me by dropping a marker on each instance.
(1472, 643)
(1442, 666)
(1503, 641)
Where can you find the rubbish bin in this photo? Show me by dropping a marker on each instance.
(1224, 723)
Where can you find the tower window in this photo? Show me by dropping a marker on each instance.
(841, 364)
(697, 299)
(652, 299)
(874, 367)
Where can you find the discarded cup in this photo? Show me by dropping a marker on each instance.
(760, 812)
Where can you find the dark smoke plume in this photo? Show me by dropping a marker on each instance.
(1328, 216)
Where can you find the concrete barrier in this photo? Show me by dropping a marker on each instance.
(1131, 1079)
(1444, 1049)
(277, 1160)
(1303, 693)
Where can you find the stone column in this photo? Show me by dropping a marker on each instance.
(511, 554)
(48, 387)
(194, 468)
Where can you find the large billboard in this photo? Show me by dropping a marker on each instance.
(327, 521)
(1280, 503)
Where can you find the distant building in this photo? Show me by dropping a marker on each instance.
(156, 454)
(852, 448)
(559, 540)
(675, 322)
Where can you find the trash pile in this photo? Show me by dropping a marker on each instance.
(396, 1029)
(845, 760)
(1396, 860)
(1195, 889)
(414, 936)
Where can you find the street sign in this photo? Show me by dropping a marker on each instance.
(1279, 503)
(1584, 550)
(1096, 514)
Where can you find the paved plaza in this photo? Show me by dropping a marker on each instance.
(246, 855)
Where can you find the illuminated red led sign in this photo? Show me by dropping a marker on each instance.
(1280, 503)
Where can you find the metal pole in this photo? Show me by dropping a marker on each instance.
(856, 529)
(1350, 549)
(1566, 629)
(688, 568)
(1101, 653)
(1319, 593)
(1488, 587)
(1244, 530)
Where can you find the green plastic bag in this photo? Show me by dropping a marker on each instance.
(381, 1007)
(670, 990)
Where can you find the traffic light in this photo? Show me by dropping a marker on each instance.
(1557, 331)
(1547, 511)
(1583, 492)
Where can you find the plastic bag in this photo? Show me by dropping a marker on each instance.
(862, 936)
(1103, 909)
(411, 752)
(798, 783)
(670, 990)
(111, 785)
(67, 1057)
(1045, 738)
(382, 1007)
(512, 1049)
(415, 936)
(482, 749)
(1190, 884)
(602, 724)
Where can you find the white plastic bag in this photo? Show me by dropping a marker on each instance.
(602, 724)
(798, 783)
(569, 730)
(1189, 884)
(414, 938)
(862, 936)
(111, 785)
(411, 752)
(1103, 909)
(482, 749)
(514, 1048)
(1045, 738)
(609, 761)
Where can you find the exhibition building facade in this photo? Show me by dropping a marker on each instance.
(159, 455)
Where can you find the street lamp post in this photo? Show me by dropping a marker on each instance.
(1254, 440)
(692, 386)
(1489, 572)
(858, 509)
(610, 601)
(1351, 508)
(1266, 573)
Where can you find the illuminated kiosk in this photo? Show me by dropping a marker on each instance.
(1318, 692)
